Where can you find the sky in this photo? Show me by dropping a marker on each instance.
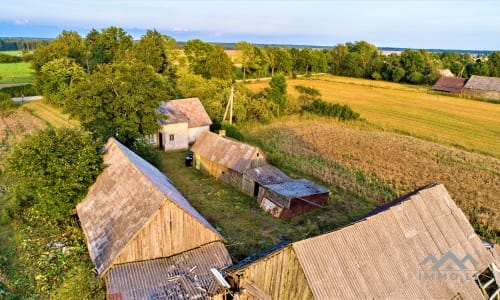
(439, 24)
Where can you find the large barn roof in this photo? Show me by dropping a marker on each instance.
(183, 276)
(449, 84)
(383, 256)
(123, 199)
(483, 83)
(296, 188)
(185, 110)
(224, 151)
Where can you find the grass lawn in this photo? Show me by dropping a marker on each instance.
(246, 227)
(16, 73)
(466, 124)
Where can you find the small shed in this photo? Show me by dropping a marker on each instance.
(292, 197)
(133, 214)
(186, 120)
(450, 85)
(224, 158)
(420, 246)
(254, 179)
(483, 87)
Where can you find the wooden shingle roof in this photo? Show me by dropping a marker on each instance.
(449, 84)
(224, 151)
(383, 255)
(124, 198)
(185, 110)
(483, 83)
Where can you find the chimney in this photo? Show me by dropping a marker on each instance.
(222, 132)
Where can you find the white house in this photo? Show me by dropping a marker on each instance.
(186, 120)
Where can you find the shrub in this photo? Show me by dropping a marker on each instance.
(147, 152)
(335, 110)
(6, 102)
(20, 90)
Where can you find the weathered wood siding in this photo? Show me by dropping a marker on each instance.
(180, 133)
(247, 185)
(195, 132)
(482, 94)
(279, 275)
(169, 232)
(298, 206)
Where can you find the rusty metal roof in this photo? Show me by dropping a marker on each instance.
(297, 188)
(449, 84)
(224, 151)
(182, 276)
(383, 255)
(483, 83)
(267, 174)
(122, 200)
(185, 110)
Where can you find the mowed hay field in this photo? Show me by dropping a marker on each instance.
(467, 124)
(362, 160)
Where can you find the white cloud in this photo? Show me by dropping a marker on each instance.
(21, 21)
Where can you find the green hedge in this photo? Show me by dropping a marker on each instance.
(18, 91)
(335, 110)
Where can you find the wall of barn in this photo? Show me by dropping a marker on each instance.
(195, 132)
(279, 275)
(247, 185)
(175, 136)
(258, 159)
(482, 94)
(170, 231)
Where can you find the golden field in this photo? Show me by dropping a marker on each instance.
(466, 124)
(370, 162)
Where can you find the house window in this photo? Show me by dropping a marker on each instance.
(171, 137)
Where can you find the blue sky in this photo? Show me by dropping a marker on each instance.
(443, 24)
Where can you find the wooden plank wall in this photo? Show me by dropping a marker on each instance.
(171, 231)
(279, 275)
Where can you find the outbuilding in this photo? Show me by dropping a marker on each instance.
(483, 87)
(450, 85)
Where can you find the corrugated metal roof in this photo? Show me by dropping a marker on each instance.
(121, 201)
(183, 276)
(182, 110)
(381, 256)
(449, 84)
(296, 188)
(224, 151)
(483, 83)
(267, 174)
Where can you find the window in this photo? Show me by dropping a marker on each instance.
(488, 283)
(171, 137)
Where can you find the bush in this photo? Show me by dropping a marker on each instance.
(147, 152)
(335, 110)
(8, 59)
(232, 131)
(20, 90)
(6, 102)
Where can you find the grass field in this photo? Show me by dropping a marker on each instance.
(51, 115)
(16, 73)
(406, 109)
(12, 53)
(381, 165)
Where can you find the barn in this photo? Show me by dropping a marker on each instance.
(225, 159)
(291, 197)
(420, 246)
(186, 120)
(450, 85)
(254, 179)
(483, 87)
(144, 237)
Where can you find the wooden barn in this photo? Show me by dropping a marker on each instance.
(145, 238)
(291, 197)
(224, 158)
(483, 87)
(186, 120)
(450, 85)
(254, 179)
(420, 246)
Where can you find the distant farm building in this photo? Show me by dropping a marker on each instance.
(420, 246)
(186, 120)
(445, 73)
(145, 238)
(244, 167)
(483, 87)
(450, 85)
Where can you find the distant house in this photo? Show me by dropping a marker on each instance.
(483, 87)
(420, 246)
(291, 197)
(450, 85)
(186, 120)
(144, 237)
(225, 159)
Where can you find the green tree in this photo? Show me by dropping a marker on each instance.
(197, 53)
(120, 100)
(247, 57)
(277, 91)
(157, 50)
(494, 64)
(336, 58)
(58, 78)
(110, 45)
(51, 172)
(218, 65)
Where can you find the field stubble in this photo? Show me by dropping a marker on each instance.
(378, 163)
